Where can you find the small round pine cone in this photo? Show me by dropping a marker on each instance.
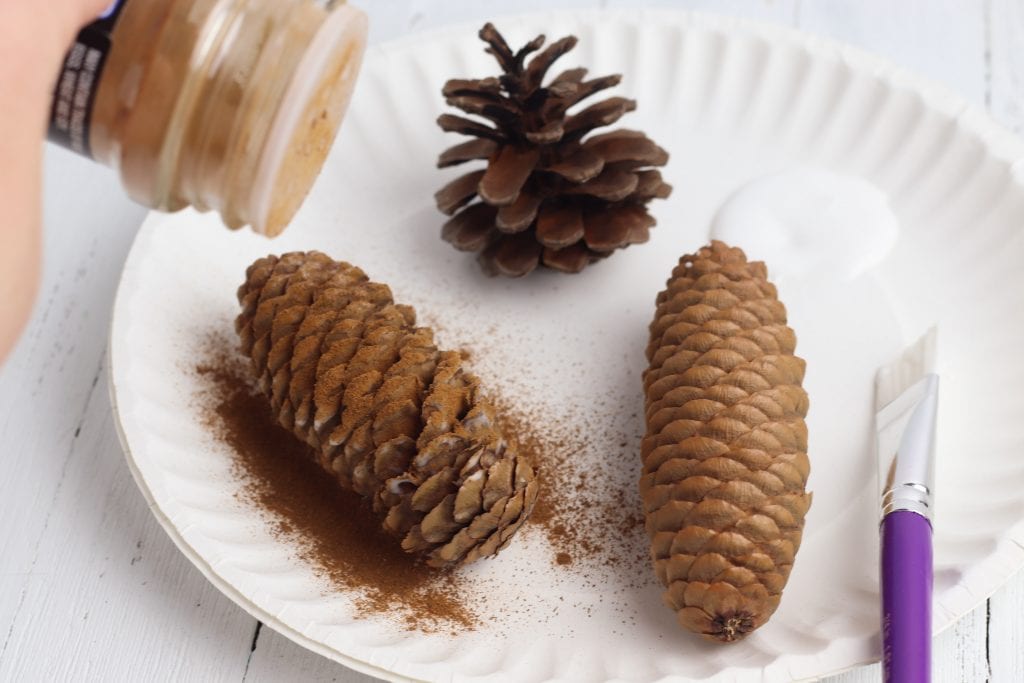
(552, 194)
(390, 416)
(725, 456)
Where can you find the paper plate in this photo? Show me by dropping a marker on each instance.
(731, 101)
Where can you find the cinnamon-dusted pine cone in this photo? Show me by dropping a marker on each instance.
(547, 196)
(391, 417)
(725, 457)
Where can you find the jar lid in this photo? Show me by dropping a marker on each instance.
(316, 98)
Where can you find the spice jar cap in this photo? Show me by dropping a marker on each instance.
(339, 43)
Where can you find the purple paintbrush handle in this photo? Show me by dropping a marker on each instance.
(906, 597)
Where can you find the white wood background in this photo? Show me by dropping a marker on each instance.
(91, 587)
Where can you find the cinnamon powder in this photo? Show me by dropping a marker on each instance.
(587, 459)
(588, 510)
(333, 530)
(587, 514)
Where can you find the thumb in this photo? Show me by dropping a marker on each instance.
(87, 11)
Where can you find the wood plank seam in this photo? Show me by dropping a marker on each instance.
(987, 23)
(988, 637)
(56, 493)
(252, 648)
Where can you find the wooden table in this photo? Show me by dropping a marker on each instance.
(92, 587)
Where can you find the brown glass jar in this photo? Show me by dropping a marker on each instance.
(222, 105)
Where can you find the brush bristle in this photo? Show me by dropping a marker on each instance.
(917, 361)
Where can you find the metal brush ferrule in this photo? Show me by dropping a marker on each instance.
(905, 431)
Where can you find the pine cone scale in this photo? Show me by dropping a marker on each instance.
(615, 148)
(495, 109)
(600, 114)
(551, 133)
(571, 259)
(469, 230)
(540, 64)
(561, 227)
(651, 186)
(611, 185)
(459, 192)
(506, 175)
(570, 76)
(479, 148)
(460, 124)
(616, 228)
(593, 87)
(470, 86)
(581, 166)
(520, 214)
(513, 256)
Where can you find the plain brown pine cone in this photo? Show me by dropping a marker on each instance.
(547, 195)
(725, 456)
(391, 417)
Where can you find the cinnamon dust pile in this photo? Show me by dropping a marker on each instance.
(588, 507)
(588, 511)
(333, 530)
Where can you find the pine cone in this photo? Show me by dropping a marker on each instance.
(390, 416)
(725, 457)
(547, 196)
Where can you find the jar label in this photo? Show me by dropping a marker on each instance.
(75, 93)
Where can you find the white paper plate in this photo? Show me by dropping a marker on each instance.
(731, 101)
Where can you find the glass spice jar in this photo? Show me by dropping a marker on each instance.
(222, 105)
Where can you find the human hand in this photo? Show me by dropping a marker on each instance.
(33, 39)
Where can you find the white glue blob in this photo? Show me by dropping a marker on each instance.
(809, 222)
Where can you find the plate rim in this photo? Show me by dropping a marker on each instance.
(1002, 144)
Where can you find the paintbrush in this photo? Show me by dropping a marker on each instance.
(906, 402)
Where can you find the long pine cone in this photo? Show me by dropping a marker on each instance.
(550, 195)
(391, 417)
(725, 456)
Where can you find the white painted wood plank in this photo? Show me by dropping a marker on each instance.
(1006, 632)
(1006, 63)
(45, 383)
(277, 659)
(958, 655)
(1005, 24)
(778, 11)
(397, 18)
(864, 674)
(943, 40)
(109, 597)
(401, 17)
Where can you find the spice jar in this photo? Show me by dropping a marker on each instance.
(222, 105)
